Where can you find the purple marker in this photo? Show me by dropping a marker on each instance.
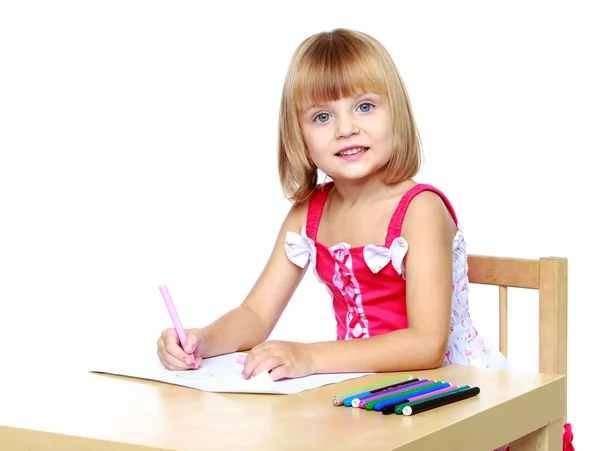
(369, 396)
(363, 402)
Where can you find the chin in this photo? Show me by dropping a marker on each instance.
(358, 173)
(352, 177)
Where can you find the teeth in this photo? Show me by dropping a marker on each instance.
(352, 151)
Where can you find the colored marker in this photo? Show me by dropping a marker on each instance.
(417, 388)
(375, 385)
(371, 404)
(174, 316)
(402, 390)
(425, 391)
(398, 408)
(385, 387)
(241, 358)
(338, 399)
(412, 383)
(437, 392)
(356, 399)
(389, 407)
(405, 389)
(438, 401)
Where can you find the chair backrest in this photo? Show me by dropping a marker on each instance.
(549, 277)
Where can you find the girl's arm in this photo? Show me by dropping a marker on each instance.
(429, 230)
(253, 321)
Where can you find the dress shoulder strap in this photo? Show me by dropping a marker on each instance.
(315, 209)
(395, 226)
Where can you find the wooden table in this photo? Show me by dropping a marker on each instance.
(94, 412)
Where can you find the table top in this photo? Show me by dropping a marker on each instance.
(80, 410)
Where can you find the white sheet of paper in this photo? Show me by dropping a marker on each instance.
(220, 374)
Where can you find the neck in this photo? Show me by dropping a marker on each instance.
(357, 192)
(352, 192)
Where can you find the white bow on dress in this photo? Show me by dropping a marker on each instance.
(301, 249)
(377, 257)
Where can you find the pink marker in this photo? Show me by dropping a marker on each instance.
(241, 358)
(437, 392)
(174, 316)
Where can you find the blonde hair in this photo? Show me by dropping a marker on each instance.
(326, 67)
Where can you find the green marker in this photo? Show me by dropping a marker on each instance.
(377, 384)
(399, 408)
(371, 404)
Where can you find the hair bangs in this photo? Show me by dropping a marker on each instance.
(334, 70)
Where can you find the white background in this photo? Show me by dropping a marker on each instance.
(137, 146)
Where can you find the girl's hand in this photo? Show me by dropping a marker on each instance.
(283, 359)
(173, 357)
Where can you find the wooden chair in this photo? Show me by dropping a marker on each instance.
(549, 277)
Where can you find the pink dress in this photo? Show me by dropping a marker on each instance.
(368, 288)
(367, 285)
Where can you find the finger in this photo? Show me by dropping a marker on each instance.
(253, 359)
(281, 372)
(174, 364)
(168, 360)
(191, 343)
(269, 365)
(172, 348)
(265, 362)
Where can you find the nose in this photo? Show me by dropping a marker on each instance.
(345, 126)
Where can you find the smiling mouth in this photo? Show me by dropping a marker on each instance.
(353, 151)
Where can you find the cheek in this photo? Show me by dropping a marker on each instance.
(387, 129)
(310, 136)
(386, 134)
(315, 143)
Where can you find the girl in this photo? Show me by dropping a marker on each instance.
(389, 250)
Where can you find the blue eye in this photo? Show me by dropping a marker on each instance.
(365, 107)
(322, 117)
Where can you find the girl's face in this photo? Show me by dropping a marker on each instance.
(350, 138)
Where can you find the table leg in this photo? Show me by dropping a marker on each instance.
(548, 438)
